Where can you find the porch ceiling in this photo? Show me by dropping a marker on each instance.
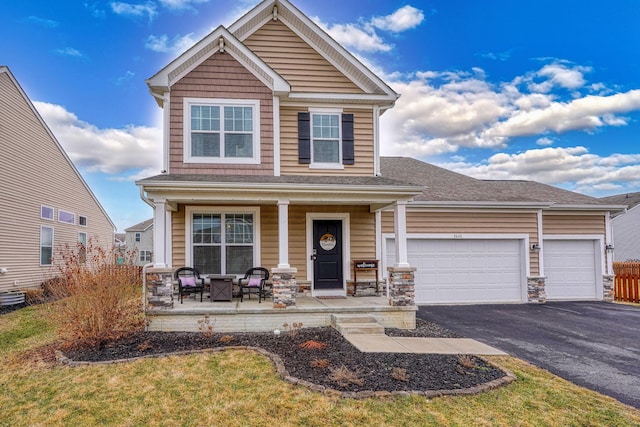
(374, 191)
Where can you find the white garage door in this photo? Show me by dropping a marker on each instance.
(570, 268)
(465, 271)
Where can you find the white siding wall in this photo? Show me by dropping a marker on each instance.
(626, 235)
(34, 172)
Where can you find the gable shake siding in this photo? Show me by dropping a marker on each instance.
(363, 144)
(297, 62)
(221, 77)
(34, 172)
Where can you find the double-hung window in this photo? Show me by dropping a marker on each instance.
(145, 256)
(221, 131)
(326, 139)
(46, 245)
(224, 242)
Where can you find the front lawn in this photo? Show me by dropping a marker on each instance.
(241, 388)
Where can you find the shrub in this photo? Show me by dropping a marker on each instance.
(344, 377)
(98, 301)
(319, 363)
(312, 345)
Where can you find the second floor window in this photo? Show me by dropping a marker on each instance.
(221, 131)
(138, 237)
(325, 138)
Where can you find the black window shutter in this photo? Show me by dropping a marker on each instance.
(348, 157)
(304, 138)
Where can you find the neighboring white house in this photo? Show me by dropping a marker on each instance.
(140, 238)
(45, 201)
(626, 226)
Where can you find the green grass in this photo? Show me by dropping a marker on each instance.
(241, 388)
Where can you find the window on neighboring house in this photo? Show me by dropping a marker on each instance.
(145, 256)
(221, 131)
(223, 243)
(138, 236)
(82, 247)
(46, 212)
(46, 245)
(325, 139)
(82, 220)
(66, 217)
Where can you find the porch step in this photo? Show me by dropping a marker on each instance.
(356, 324)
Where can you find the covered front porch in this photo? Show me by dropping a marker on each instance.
(309, 230)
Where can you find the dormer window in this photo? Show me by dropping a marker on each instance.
(221, 131)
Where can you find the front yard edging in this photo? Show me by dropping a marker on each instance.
(284, 374)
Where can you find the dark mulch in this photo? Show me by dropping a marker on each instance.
(5, 309)
(372, 371)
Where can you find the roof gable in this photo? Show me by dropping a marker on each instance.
(315, 37)
(56, 144)
(218, 41)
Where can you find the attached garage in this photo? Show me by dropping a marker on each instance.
(571, 269)
(454, 271)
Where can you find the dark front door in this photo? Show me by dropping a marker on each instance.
(327, 248)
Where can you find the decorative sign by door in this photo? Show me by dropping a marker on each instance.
(327, 241)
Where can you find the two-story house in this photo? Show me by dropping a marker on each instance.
(139, 239)
(272, 158)
(47, 205)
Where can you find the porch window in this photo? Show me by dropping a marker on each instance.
(221, 131)
(223, 243)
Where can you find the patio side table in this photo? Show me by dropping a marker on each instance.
(221, 287)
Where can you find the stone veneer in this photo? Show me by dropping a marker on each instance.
(159, 287)
(285, 287)
(402, 289)
(536, 292)
(608, 283)
(365, 288)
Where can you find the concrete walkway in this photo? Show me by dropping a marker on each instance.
(380, 343)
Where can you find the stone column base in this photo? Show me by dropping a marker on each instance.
(159, 287)
(536, 292)
(402, 288)
(608, 283)
(285, 287)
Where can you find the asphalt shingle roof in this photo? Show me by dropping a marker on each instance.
(444, 185)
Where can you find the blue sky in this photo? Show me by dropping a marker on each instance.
(546, 90)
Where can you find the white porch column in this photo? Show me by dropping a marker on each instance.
(159, 233)
(283, 234)
(400, 223)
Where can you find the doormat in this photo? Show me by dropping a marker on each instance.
(331, 297)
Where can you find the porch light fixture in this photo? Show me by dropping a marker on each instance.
(535, 247)
(608, 248)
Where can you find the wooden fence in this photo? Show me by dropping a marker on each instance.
(627, 282)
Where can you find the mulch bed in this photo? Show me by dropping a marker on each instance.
(322, 359)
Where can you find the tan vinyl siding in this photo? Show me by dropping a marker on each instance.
(363, 140)
(470, 223)
(297, 62)
(362, 234)
(220, 77)
(34, 172)
(573, 224)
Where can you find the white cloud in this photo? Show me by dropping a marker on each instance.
(559, 75)
(111, 151)
(181, 4)
(69, 51)
(574, 168)
(353, 36)
(405, 18)
(162, 43)
(43, 22)
(363, 36)
(544, 141)
(148, 9)
(440, 112)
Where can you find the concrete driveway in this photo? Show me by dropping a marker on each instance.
(592, 344)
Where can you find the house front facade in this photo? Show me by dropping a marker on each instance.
(47, 205)
(272, 158)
